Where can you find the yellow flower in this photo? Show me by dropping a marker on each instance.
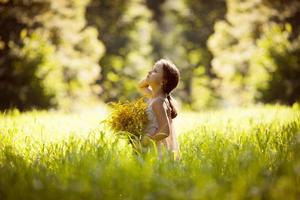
(130, 117)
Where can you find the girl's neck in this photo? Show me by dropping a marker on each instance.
(160, 94)
(157, 92)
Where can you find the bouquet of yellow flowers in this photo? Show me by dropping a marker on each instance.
(129, 119)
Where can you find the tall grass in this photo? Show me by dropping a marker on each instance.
(249, 153)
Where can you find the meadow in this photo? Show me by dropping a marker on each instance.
(236, 153)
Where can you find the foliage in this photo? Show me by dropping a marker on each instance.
(36, 77)
(125, 30)
(246, 32)
(250, 153)
(275, 68)
(197, 26)
(229, 52)
(43, 40)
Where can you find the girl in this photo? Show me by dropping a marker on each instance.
(162, 79)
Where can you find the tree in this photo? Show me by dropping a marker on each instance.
(48, 55)
(198, 25)
(125, 30)
(237, 42)
(275, 69)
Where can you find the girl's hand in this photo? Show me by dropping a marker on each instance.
(143, 83)
(146, 139)
(159, 136)
(143, 88)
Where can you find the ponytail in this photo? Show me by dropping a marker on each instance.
(171, 78)
(173, 108)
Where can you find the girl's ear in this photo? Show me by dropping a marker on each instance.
(163, 83)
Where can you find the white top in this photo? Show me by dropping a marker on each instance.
(171, 141)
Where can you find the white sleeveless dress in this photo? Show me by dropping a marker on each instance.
(171, 141)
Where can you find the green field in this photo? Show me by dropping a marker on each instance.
(237, 153)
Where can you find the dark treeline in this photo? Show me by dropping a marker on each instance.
(229, 52)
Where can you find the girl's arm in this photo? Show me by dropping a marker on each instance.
(143, 88)
(164, 128)
(160, 110)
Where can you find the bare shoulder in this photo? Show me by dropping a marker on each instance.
(159, 104)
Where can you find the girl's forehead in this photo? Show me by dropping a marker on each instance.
(157, 65)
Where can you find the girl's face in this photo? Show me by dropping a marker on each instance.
(155, 76)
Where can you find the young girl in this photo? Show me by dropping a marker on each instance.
(162, 79)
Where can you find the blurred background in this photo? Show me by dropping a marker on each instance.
(55, 54)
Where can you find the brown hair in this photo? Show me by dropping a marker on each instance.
(171, 75)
